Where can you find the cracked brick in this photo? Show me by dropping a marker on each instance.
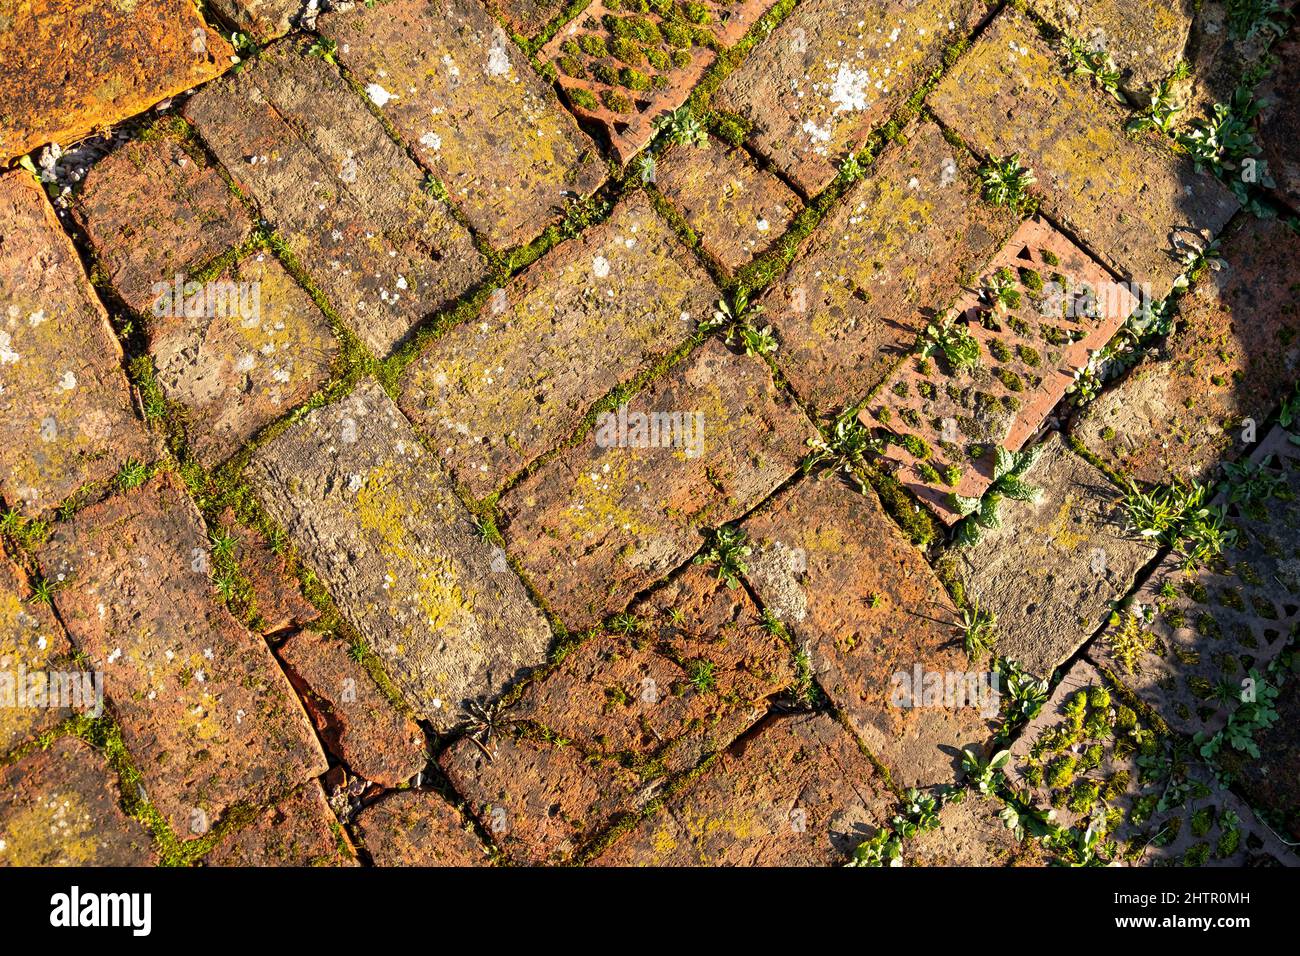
(418, 828)
(300, 830)
(204, 708)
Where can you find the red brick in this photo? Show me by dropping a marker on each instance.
(60, 807)
(278, 599)
(418, 828)
(798, 792)
(31, 641)
(901, 242)
(300, 830)
(496, 392)
(77, 66)
(204, 708)
(153, 209)
(468, 104)
(65, 410)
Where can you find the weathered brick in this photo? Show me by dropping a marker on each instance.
(469, 105)
(65, 410)
(278, 599)
(864, 606)
(371, 512)
(496, 392)
(1219, 59)
(418, 828)
(737, 209)
(798, 792)
(1279, 124)
(901, 241)
(238, 352)
(1235, 353)
(599, 523)
(261, 19)
(624, 70)
(1092, 760)
(204, 708)
(1054, 569)
(971, 834)
(834, 69)
(31, 642)
(60, 807)
(154, 210)
(300, 830)
(1124, 197)
(1202, 630)
(1145, 38)
(75, 66)
(696, 674)
(352, 717)
(1038, 310)
(347, 200)
(538, 801)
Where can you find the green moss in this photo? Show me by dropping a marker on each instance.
(616, 101)
(583, 99)
(633, 79)
(627, 51)
(593, 44)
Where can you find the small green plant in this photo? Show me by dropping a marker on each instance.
(1252, 482)
(1024, 698)
(735, 320)
(953, 340)
(357, 650)
(1178, 517)
(1246, 18)
(42, 590)
(982, 514)
(727, 548)
(1129, 640)
(702, 674)
(981, 773)
(884, 848)
(1252, 715)
(1161, 111)
(1001, 290)
(1006, 183)
(625, 624)
(845, 447)
(1224, 141)
(682, 127)
(977, 628)
(131, 475)
(1098, 64)
(852, 168)
(325, 49)
(920, 812)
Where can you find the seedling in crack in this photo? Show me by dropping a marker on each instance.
(481, 720)
(131, 475)
(683, 127)
(845, 447)
(980, 773)
(1097, 64)
(702, 674)
(325, 49)
(977, 628)
(728, 549)
(1006, 183)
(735, 320)
(43, 591)
(625, 624)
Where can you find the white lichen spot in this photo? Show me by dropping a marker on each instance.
(431, 141)
(600, 266)
(378, 95)
(849, 89)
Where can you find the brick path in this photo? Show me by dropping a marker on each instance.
(486, 432)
